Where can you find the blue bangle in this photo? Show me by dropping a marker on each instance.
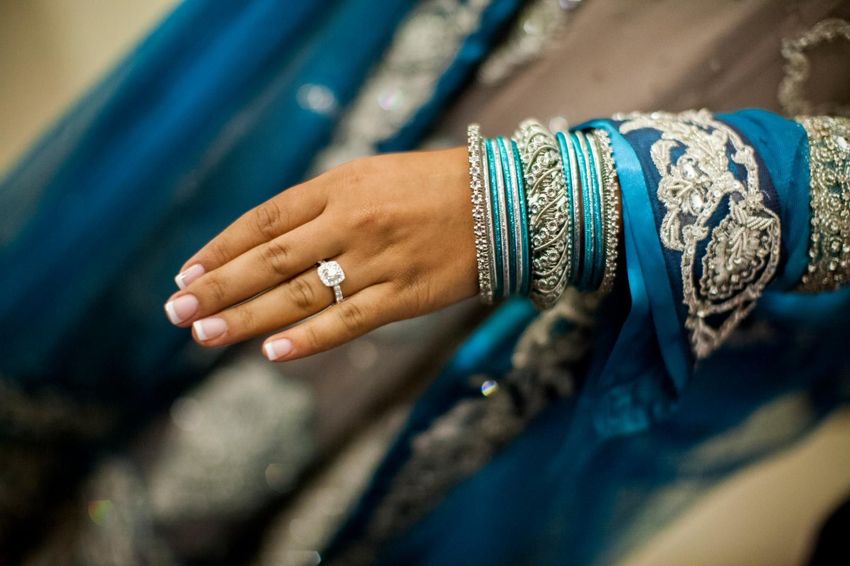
(490, 167)
(586, 264)
(511, 214)
(570, 170)
(595, 168)
(525, 244)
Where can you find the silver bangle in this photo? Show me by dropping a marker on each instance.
(549, 223)
(480, 213)
(610, 211)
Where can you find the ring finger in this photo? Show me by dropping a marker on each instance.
(253, 272)
(286, 304)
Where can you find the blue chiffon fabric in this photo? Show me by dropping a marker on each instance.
(207, 118)
(651, 429)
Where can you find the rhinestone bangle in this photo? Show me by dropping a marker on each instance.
(547, 212)
(611, 210)
(480, 213)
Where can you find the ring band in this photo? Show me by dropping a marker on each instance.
(331, 275)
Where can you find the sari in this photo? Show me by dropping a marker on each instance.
(602, 450)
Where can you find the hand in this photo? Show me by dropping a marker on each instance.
(399, 224)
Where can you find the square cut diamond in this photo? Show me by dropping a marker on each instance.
(331, 273)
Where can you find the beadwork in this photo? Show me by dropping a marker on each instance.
(829, 245)
(693, 157)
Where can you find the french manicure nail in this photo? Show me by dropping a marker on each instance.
(277, 349)
(209, 328)
(190, 274)
(181, 308)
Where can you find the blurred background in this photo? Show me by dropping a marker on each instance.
(258, 463)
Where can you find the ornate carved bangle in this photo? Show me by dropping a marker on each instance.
(547, 211)
(480, 214)
(829, 246)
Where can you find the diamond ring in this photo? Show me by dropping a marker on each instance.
(331, 275)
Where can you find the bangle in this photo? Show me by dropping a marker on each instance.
(498, 220)
(591, 179)
(525, 244)
(547, 212)
(611, 210)
(480, 213)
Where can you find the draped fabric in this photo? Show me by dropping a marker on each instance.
(225, 104)
(220, 108)
(653, 423)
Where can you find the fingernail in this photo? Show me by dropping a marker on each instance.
(190, 274)
(277, 349)
(209, 328)
(181, 308)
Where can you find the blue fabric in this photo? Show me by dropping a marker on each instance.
(202, 121)
(650, 430)
(784, 163)
(206, 118)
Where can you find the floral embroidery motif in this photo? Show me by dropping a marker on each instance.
(696, 157)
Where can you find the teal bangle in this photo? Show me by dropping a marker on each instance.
(525, 245)
(492, 185)
(511, 214)
(586, 264)
(570, 171)
(595, 168)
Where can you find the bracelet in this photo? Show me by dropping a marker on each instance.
(611, 211)
(545, 211)
(480, 213)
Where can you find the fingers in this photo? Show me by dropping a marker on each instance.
(278, 215)
(370, 308)
(253, 272)
(294, 300)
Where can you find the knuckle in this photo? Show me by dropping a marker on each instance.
(275, 255)
(219, 252)
(312, 339)
(302, 294)
(352, 317)
(247, 320)
(216, 289)
(267, 219)
(369, 218)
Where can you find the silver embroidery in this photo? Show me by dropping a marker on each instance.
(423, 47)
(829, 247)
(694, 157)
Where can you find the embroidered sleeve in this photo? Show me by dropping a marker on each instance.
(712, 217)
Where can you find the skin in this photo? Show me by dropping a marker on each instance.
(399, 224)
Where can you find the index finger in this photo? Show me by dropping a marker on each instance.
(285, 211)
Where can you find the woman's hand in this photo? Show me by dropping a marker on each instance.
(400, 225)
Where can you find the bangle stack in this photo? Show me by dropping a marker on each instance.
(545, 211)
